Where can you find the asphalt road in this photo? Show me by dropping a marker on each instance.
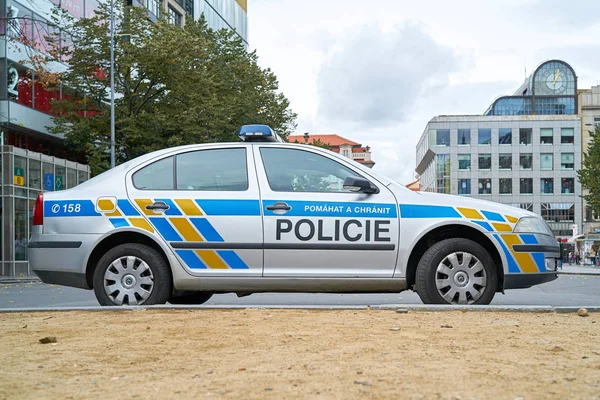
(567, 290)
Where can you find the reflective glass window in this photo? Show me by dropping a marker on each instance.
(505, 161)
(48, 175)
(156, 176)
(82, 176)
(547, 161)
(464, 162)
(463, 137)
(21, 225)
(526, 161)
(567, 185)
(464, 186)
(484, 136)
(20, 172)
(485, 186)
(567, 161)
(567, 136)
(485, 161)
(558, 212)
(525, 136)
(35, 174)
(60, 177)
(526, 185)
(221, 170)
(547, 185)
(512, 106)
(71, 178)
(546, 135)
(505, 185)
(443, 173)
(442, 137)
(505, 136)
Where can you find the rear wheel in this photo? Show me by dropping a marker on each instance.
(456, 271)
(132, 274)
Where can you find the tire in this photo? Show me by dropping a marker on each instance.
(447, 275)
(191, 298)
(132, 274)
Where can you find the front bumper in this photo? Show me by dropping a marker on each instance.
(523, 281)
(61, 259)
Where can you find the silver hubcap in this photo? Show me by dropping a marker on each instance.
(128, 280)
(460, 278)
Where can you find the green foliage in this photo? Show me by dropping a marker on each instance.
(589, 175)
(173, 86)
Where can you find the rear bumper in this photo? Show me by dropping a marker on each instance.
(61, 259)
(523, 281)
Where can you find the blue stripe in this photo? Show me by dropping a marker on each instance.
(528, 239)
(512, 265)
(334, 209)
(173, 210)
(206, 230)
(485, 225)
(191, 259)
(230, 207)
(540, 261)
(165, 229)
(423, 211)
(231, 258)
(119, 222)
(70, 208)
(492, 216)
(127, 208)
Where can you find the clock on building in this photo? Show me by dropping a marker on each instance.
(553, 79)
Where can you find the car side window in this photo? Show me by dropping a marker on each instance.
(292, 170)
(156, 176)
(215, 170)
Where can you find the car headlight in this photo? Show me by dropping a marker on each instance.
(532, 225)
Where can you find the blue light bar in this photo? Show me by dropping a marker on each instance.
(258, 133)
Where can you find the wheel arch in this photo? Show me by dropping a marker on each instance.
(115, 238)
(454, 230)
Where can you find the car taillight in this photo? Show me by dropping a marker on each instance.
(38, 210)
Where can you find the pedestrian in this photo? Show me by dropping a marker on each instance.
(570, 258)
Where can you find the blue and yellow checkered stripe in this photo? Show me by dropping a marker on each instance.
(184, 221)
(500, 226)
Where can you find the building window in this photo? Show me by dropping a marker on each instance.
(485, 161)
(174, 17)
(567, 136)
(547, 161)
(546, 136)
(505, 186)
(526, 161)
(525, 136)
(464, 186)
(597, 122)
(505, 161)
(464, 162)
(153, 6)
(484, 136)
(442, 137)
(526, 186)
(558, 212)
(547, 185)
(485, 186)
(567, 161)
(346, 153)
(464, 137)
(567, 185)
(505, 136)
(443, 173)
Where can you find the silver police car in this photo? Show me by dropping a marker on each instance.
(261, 215)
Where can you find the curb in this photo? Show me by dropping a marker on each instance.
(579, 273)
(385, 307)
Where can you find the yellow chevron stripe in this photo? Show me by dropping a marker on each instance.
(106, 205)
(115, 213)
(186, 230)
(470, 213)
(502, 227)
(188, 207)
(142, 203)
(524, 260)
(211, 259)
(512, 220)
(141, 223)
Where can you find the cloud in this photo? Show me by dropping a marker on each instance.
(375, 77)
(584, 58)
(560, 14)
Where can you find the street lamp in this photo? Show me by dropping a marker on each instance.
(112, 84)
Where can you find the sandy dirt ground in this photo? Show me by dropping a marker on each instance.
(253, 353)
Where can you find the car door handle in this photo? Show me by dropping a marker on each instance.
(279, 207)
(158, 206)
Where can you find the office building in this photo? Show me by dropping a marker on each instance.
(524, 151)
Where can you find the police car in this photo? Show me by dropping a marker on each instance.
(261, 215)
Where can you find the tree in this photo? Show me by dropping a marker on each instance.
(174, 86)
(589, 175)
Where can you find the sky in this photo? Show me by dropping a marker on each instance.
(377, 71)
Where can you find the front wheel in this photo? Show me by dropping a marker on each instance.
(132, 274)
(456, 271)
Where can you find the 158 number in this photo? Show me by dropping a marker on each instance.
(69, 208)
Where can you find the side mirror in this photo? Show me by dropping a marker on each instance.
(358, 184)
